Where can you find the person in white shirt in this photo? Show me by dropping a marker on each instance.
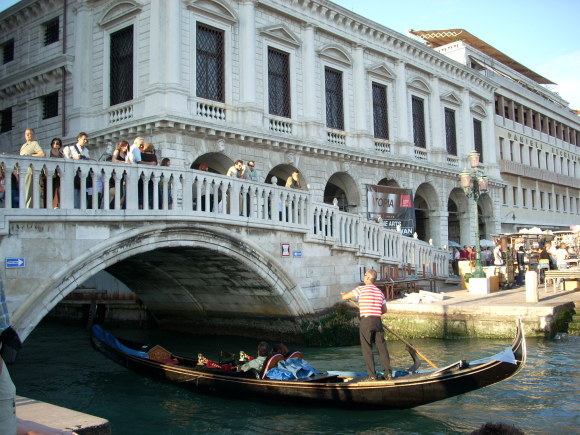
(561, 254)
(135, 150)
(79, 151)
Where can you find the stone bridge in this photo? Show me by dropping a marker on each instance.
(192, 245)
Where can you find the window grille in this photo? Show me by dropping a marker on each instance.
(8, 51)
(278, 83)
(121, 78)
(6, 120)
(418, 122)
(450, 132)
(210, 63)
(51, 31)
(334, 109)
(50, 105)
(380, 112)
(478, 138)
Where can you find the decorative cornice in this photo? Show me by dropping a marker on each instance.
(118, 10)
(215, 9)
(281, 33)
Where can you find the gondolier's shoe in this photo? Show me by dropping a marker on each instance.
(201, 360)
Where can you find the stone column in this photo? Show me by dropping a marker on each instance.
(82, 68)
(489, 142)
(511, 111)
(466, 144)
(156, 54)
(530, 113)
(309, 73)
(521, 114)
(437, 122)
(404, 134)
(501, 105)
(247, 52)
(360, 90)
(172, 43)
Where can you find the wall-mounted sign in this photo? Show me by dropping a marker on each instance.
(297, 254)
(12, 263)
(285, 249)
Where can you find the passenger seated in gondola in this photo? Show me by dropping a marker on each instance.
(257, 363)
(293, 366)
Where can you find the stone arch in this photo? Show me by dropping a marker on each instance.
(344, 188)
(282, 172)
(390, 182)
(258, 278)
(485, 216)
(458, 216)
(218, 163)
(426, 203)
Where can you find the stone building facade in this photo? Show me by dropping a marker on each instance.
(300, 84)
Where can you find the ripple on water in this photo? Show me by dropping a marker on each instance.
(542, 399)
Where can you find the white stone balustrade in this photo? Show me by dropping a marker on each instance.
(162, 193)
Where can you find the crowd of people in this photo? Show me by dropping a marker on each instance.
(140, 152)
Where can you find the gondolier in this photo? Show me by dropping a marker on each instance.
(372, 305)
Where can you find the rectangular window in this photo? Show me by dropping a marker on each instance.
(450, 133)
(6, 120)
(533, 195)
(210, 63)
(278, 83)
(512, 150)
(549, 201)
(539, 159)
(501, 148)
(557, 205)
(541, 200)
(564, 202)
(334, 109)
(121, 88)
(418, 109)
(504, 195)
(530, 156)
(515, 195)
(478, 138)
(524, 194)
(380, 112)
(51, 31)
(8, 51)
(50, 105)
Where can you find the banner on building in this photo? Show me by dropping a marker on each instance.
(393, 205)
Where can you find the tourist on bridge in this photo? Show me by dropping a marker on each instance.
(237, 170)
(121, 154)
(250, 173)
(293, 181)
(79, 151)
(372, 305)
(135, 150)
(56, 152)
(30, 148)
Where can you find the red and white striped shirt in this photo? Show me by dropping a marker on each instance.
(370, 300)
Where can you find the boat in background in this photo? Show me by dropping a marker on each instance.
(330, 389)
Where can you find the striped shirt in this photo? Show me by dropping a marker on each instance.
(370, 300)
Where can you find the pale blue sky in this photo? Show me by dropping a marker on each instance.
(543, 35)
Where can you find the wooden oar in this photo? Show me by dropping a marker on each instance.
(409, 345)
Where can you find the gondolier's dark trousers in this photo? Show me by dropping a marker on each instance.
(371, 331)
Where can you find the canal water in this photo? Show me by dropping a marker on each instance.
(58, 365)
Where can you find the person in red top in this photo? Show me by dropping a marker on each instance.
(372, 305)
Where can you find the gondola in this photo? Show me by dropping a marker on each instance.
(329, 389)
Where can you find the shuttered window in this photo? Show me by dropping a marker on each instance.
(450, 132)
(121, 88)
(334, 107)
(418, 122)
(278, 83)
(210, 63)
(380, 112)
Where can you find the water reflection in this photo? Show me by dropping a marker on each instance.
(541, 399)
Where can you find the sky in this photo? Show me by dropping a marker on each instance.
(543, 35)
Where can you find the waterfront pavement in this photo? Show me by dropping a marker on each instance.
(489, 314)
(39, 417)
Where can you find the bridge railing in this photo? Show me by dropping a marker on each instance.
(95, 189)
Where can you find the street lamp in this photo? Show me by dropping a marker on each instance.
(474, 184)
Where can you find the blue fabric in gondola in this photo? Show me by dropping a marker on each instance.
(292, 368)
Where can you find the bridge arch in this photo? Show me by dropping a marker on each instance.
(192, 271)
(344, 188)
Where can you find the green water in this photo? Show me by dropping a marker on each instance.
(58, 365)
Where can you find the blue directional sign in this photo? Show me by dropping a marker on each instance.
(297, 254)
(12, 263)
